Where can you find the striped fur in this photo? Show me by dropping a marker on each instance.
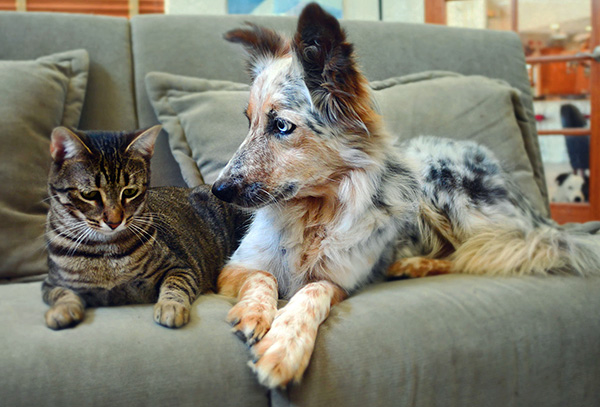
(113, 241)
(338, 204)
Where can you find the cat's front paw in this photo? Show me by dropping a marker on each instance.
(63, 315)
(171, 314)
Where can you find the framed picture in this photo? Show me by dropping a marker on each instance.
(281, 7)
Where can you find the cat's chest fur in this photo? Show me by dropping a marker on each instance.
(107, 265)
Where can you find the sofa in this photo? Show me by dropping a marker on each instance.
(454, 340)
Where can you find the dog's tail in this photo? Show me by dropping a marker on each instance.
(544, 250)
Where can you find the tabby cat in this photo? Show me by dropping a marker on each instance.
(113, 241)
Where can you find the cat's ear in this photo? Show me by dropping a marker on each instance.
(65, 144)
(143, 141)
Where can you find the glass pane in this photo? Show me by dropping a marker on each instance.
(561, 90)
(566, 158)
(492, 14)
(556, 28)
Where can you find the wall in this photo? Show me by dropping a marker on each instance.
(393, 10)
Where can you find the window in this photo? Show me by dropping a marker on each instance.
(561, 41)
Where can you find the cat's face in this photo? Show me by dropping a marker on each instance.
(100, 179)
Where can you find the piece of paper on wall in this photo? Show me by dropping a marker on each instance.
(281, 7)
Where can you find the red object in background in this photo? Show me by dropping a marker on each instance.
(9, 5)
(540, 117)
(561, 78)
(118, 8)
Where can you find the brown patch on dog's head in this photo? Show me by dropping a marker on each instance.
(338, 88)
(262, 45)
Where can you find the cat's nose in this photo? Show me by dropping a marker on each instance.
(225, 190)
(113, 217)
(113, 226)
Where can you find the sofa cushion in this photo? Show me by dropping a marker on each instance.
(35, 97)
(110, 101)
(205, 122)
(446, 104)
(455, 341)
(118, 356)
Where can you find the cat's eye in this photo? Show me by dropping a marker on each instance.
(284, 127)
(90, 195)
(129, 192)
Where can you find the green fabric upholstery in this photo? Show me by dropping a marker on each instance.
(445, 104)
(110, 102)
(35, 97)
(118, 356)
(456, 341)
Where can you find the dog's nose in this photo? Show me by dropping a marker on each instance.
(577, 199)
(225, 191)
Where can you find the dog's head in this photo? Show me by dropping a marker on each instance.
(571, 188)
(310, 113)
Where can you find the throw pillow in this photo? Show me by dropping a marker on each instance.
(35, 97)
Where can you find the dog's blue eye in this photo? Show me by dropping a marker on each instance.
(284, 127)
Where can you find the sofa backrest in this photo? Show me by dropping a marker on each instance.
(122, 52)
(194, 46)
(109, 102)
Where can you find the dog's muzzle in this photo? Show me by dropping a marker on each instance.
(225, 190)
(233, 191)
(252, 195)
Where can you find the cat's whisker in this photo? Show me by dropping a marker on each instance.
(133, 229)
(150, 222)
(87, 232)
(143, 231)
(49, 198)
(72, 234)
(153, 220)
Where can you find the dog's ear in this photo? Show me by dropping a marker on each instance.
(262, 44)
(560, 178)
(338, 88)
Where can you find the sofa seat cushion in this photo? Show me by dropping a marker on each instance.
(118, 356)
(35, 96)
(205, 122)
(455, 341)
(440, 341)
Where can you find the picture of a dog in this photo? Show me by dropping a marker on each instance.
(571, 188)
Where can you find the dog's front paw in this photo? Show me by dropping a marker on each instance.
(64, 315)
(251, 319)
(283, 354)
(171, 314)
